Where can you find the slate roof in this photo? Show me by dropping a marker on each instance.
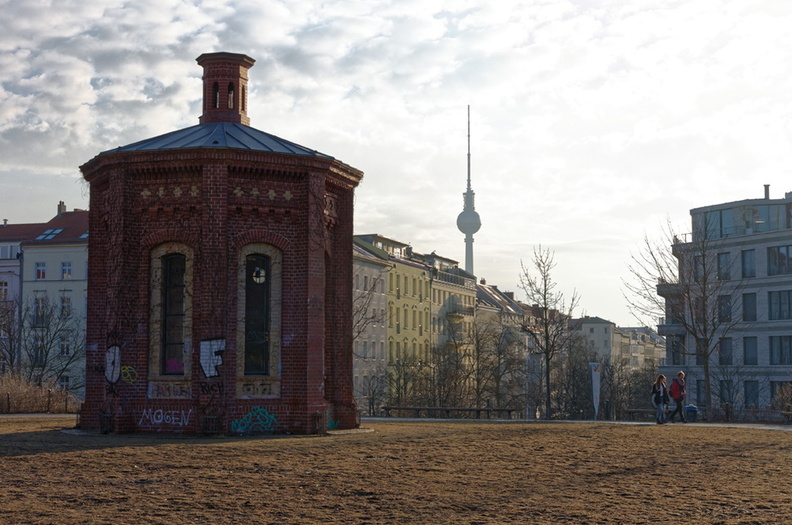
(220, 135)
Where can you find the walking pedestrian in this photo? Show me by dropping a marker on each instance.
(660, 398)
(678, 394)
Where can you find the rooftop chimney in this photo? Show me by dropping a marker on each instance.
(767, 191)
(61, 208)
(225, 80)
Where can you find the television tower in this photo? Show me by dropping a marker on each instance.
(469, 221)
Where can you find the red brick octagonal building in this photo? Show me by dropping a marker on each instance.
(219, 286)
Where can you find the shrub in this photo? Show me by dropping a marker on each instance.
(18, 395)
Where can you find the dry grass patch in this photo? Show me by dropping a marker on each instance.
(402, 472)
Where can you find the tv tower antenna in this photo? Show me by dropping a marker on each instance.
(469, 221)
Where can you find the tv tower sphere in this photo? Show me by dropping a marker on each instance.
(469, 222)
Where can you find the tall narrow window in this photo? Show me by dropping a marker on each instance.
(750, 355)
(230, 96)
(65, 306)
(216, 95)
(41, 271)
(749, 307)
(257, 314)
(173, 309)
(748, 263)
(243, 98)
(724, 266)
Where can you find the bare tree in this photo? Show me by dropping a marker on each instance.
(689, 285)
(9, 334)
(51, 342)
(548, 332)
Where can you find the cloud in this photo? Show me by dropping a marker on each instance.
(591, 121)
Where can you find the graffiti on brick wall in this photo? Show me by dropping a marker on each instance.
(332, 424)
(211, 388)
(112, 367)
(211, 356)
(159, 416)
(257, 421)
(128, 374)
(169, 390)
(258, 388)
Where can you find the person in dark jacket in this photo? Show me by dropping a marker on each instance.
(660, 398)
(678, 393)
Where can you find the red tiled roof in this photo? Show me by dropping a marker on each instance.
(67, 227)
(20, 232)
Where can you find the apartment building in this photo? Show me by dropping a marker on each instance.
(742, 252)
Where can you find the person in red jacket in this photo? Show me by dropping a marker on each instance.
(678, 393)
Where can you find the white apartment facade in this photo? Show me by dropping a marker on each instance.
(751, 243)
(54, 269)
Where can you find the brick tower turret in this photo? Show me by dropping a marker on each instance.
(220, 268)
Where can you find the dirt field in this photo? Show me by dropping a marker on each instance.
(400, 472)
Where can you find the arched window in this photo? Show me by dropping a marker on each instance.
(230, 96)
(216, 95)
(171, 300)
(257, 314)
(258, 324)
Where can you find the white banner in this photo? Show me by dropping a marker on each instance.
(595, 386)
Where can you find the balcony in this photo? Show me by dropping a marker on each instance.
(669, 326)
(665, 289)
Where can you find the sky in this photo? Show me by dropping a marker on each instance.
(593, 122)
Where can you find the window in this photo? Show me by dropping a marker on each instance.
(65, 306)
(701, 352)
(778, 260)
(41, 304)
(65, 347)
(678, 350)
(49, 234)
(698, 268)
(66, 270)
(779, 305)
(365, 284)
(726, 391)
(170, 297)
(725, 351)
(724, 266)
(748, 263)
(776, 387)
(63, 382)
(230, 96)
(701, 398)
(257, 315)
(260, 267)
(724, 308)
(750, 355)
(751, 389)
(39, 353)
(173, 311)
(780, 350)
(41, 271)
(3, 290)
(749, 307)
